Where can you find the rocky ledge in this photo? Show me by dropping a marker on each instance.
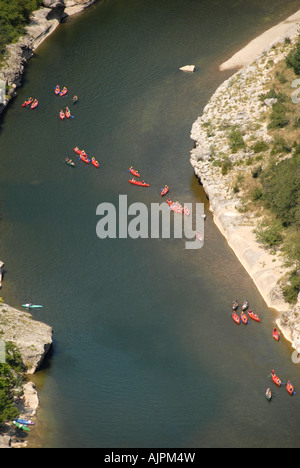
(237, 103)
(33, 340)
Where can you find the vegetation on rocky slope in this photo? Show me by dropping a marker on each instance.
(10, 379)
(14, 16)
(274, 190)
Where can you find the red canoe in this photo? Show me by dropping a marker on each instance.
(244, 318)
(137, 182)
(77, 150)
(253, 316)
(62, 115)
(290, 388)
(134, 172)
(236, 318)
(175, 206)
(63, 92)
(57, 90)
(68, 113)
(164, 190)
(276, 334)
(275, 379)
(95, 162)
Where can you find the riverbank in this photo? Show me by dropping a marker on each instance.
(33, 339)
(43, 23)
(237, 105)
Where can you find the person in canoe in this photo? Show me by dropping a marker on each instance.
(276, 334)
(62, 115)
(268, 394)
(69, 162)
(64, 91)
(245, 305)
(235, 305)
(34, 104)
(57, 90)
(68, 113)
(75, 99)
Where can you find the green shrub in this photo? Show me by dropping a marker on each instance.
(256, 194)
(279, 145)
(292, 288)
(236, 140)
(270, 235)
(14, 16)
(260, 147)
(278, 118)
(293, 59)
(226, 166)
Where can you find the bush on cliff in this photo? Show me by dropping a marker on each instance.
(14, 16)
(10, 377)
(293, 59)
(281, 190)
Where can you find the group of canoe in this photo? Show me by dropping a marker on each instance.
(60, 92)
(65, 114)
(83, 157)
(133, 181)
(276, 335)
(243, 317)
(31, 103)
(277, 381)
(244, 314)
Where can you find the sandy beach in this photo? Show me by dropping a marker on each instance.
(264, 42)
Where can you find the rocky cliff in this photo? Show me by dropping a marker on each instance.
(237, 105)
(32, 338)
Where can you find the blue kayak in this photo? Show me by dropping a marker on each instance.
(25, 421)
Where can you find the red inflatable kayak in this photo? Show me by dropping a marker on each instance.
(244, 318)
(276, 334)
(275, 379)
(57, 90)
(27, 103)
(253, 316)
(164, 190)
(78, 151)
(68, 113)
(137, 182)
(290, 388)
(84, 158)
(34, 104)
(134, 172)
(64, 91)
(62, 115)
(236, 317)
(95, 162)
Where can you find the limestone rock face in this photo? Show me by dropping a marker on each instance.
(54, 3)
(32, 338)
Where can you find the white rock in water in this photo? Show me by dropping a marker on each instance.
(189, 68)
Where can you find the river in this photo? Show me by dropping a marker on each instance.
(145, 351)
